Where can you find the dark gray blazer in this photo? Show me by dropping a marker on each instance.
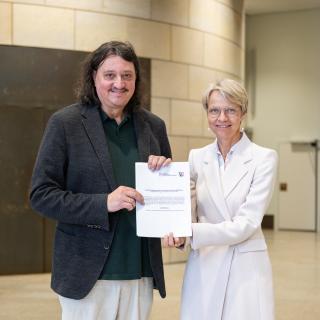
(71, 178)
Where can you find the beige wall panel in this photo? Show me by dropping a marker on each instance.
(217, 18)
(195, 143)
(187, 45)
(243, 31)
(242, 65)
(161, 107)
(228, 23)
(150, 39)
(76, 4)
(206, 131)
(186, 118)
(92, 29)
(50, 27)
(237, 5)
(171, 11)
(203, 15)
(5, 23)
(222, 55)
(199, 79)
(179, 148)
(169, 79)
(136, 8)
(28, 1)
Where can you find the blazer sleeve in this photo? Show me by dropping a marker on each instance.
(249, 216)
(164, 141)
(48, 194)
(193, 190)
(193, 195)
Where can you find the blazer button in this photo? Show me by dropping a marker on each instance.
(106, 246)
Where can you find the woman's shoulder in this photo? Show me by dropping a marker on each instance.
(203, 149)
(262, 150)
(261, 153)
(200, 152)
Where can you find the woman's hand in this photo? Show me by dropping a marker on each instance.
(170, 241)
(156, 162)
(123, 198)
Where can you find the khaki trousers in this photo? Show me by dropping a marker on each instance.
(112, 300)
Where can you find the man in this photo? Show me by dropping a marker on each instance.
(84, 179)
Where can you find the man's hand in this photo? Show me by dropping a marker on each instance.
(123, 198)
(156, 162)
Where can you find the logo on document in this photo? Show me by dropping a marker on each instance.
(181, 174)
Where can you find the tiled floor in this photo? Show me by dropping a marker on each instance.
(296, 265)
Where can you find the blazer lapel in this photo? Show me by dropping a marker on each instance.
(93, 126)
(238, 167)
(143, 133)
(212, 177)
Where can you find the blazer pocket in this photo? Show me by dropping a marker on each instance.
(252, 245)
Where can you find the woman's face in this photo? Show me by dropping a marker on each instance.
(224, 117)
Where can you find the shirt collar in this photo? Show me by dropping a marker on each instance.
(233, 147)
(105, 117)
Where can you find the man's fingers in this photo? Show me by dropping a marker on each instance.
(132, 194)
(123, 198)
(136, 196)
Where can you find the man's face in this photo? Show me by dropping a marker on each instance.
(115, 84)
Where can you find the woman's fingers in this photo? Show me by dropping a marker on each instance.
(156, 162)
(171, 241)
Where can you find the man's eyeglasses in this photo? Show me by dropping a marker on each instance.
(228, 112)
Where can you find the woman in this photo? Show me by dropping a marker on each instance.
(228, 274)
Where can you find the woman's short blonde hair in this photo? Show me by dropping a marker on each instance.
(232, 90)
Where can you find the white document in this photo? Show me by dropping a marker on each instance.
(166, 195)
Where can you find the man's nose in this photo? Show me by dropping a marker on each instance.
(118, 82)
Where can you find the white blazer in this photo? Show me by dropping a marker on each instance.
(228, 274)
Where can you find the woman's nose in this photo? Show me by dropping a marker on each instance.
(222, 115)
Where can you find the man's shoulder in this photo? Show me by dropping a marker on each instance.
(68, 111)
(70, 115)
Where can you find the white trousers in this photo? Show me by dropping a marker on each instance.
(112, 300)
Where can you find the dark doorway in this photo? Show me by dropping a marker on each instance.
(34, 82)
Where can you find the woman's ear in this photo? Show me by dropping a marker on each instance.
(242, 117)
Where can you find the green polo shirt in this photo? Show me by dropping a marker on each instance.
(129, 256)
